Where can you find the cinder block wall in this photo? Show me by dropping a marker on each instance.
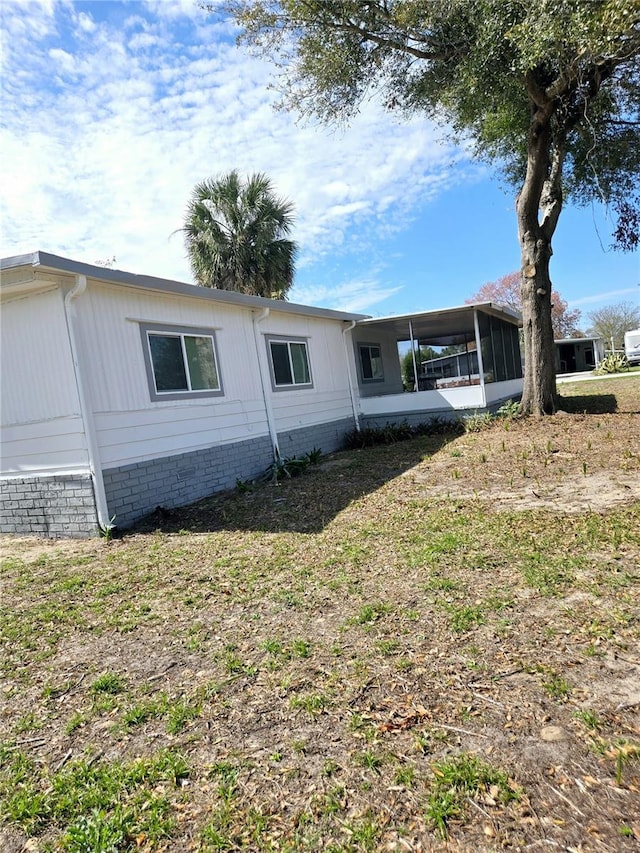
(62, 505)
(326, 437)
(135, 490)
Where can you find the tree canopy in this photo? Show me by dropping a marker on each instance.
(236, 235)
(611, 322)
(548, 90)
(506, 291)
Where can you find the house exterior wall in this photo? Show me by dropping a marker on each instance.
(449, 403)
(45, 485)
(137, 489)
(52, 505)
(172, 452)
(580, 354)
(327, 437)
(150, 451)
(392, 383)
(130, 426)
(421, 405)
(42, 427)
(328, 400)
(499, 392)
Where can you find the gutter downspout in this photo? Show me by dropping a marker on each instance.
(86, 413)
(273, 433)
(476, 328)
(354, 408)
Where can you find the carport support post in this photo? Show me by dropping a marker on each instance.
(413, 356)
(476, 329)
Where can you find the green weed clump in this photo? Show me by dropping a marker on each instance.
(92, 805)
(460, 778)
(109, 682)
(285, 468)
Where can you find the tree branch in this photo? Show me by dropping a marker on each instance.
(551, 197)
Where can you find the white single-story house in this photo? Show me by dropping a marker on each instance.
(122, 392)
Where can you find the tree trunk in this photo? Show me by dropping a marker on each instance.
(539, 393)
(542, 178)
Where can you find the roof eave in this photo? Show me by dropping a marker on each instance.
(53, 263)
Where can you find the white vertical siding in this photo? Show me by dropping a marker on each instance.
(329, 398)
(130, 426)
(38, 381)
(41, 423)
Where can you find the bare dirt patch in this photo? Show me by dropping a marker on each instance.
(350, 660)
(558, 469)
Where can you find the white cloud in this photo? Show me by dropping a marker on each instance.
(102, 162)
(26, 20)
(606, 296)
(63, 60)
(354, 296)
(86, 22)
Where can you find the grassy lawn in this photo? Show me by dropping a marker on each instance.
(431, 645)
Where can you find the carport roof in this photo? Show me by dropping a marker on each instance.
(441, 327)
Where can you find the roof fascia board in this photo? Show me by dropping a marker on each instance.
(45, 261)
(487, 307)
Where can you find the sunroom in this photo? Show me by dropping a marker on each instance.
(456, 361)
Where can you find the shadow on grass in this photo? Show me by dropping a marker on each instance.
(304, 504)
(591, 404)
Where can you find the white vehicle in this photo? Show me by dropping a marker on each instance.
(632, 346)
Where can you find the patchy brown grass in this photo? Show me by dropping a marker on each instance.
(426, 646)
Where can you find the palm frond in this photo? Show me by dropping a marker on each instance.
(236, 235)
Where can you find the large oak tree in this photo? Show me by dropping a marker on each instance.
(549, 90)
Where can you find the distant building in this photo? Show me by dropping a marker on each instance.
(578, 355)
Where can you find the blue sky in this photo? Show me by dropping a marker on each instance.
(113, 111)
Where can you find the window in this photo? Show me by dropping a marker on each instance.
(371, 363)
(289, 362)
(180, 362)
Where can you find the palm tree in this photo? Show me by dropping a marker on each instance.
(236, 236)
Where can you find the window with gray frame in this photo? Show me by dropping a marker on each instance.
(289, 361)
(371, 363)
(180, 362)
